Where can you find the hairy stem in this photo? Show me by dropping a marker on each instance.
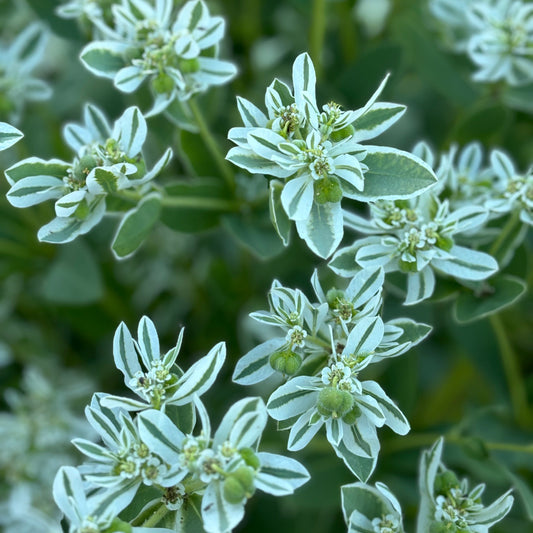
(211, 145)
(156, 517)
(515, 382)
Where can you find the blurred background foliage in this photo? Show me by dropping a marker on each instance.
(60, 305)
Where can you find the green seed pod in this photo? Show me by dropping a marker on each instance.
(327, 190)
(445, 481)
(250, 458)
(234, 492)
(245, 476)
(334, 403)
(119, 526)
(286, 362)
(339, 135)
(351, 416)
(188, 66)
(162, 83)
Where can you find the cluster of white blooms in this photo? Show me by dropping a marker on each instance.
(497, 35)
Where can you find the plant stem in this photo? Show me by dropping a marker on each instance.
(156, 517)
(318, 31)
(515, 382)
(212, 145)
(506, 232)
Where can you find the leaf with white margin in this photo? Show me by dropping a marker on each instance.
(427, 472)
(297, 198)
(303, 80)
(364, 285)
(124, 354)
(129, 79)
(361, 467)
(468, 218)
(278, 216)
(35, 190)
(215, 71)
(493, 513)
(294, 397)
(128, 404)
(364, 337)
(464, 263)
(373, 252)
(394, 418)
(377, 119)
(255, 164)
(394, 174)
(104, 58)
(502, 165)
(148, 341)
(323, 229)
(420, 285)
(252, 116)
(93, 451)
(200, 376)
(67, 205)
(161, 436)
(343, 261)
(302, 431)
(255, 366)
(279, 475)
(69, 494)
(34, 166)
(130, 131)
(218, 515)
(96, 122)
(9, 135)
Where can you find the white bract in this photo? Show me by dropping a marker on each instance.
(161, 382)
(90, 514)
(448, 503)
(107, 160)
(17, 61)
(418, 238)
(350, 409)
(223, 470)
(319, 156)
(9, 135)
(368, 509)
(311, 332)
(177, 52)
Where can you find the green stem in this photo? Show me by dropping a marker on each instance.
(515, 382)
(212, 145)
(424, 440)
(318, 31)
(156, 517)
(506, 232)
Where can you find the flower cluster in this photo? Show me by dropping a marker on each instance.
(319, 156)
(447, 503)
(158, 447)
(497, 35)
(107, 160)
(323, 349)
(17, 61)
(177, 52)
(416, 237)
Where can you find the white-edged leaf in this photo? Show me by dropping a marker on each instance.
(284, 470)
(35, 190)
(292, 398)
(218, 515)
(9, 135)
(394, 418)
(130, 131)
(464, 263)
(254, 366)
(420, 285)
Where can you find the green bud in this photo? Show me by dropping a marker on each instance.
(239, 485)
(286, 362)
(327, 190)
(445, 481)
(162, 83)
(334, 403)
(119, 526)
(188, 66)
(339, 135)
(445, 243)
(333, 296)
(250, 458)
(351, 416)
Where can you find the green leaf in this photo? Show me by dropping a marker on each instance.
(192, 148)
(74, 277)
(136, 225)
(104, 58)
(364, 498)
(199, 205)
(106, 179)
(394, 174)
(279, 218)
(496, 293)
(253, 229)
